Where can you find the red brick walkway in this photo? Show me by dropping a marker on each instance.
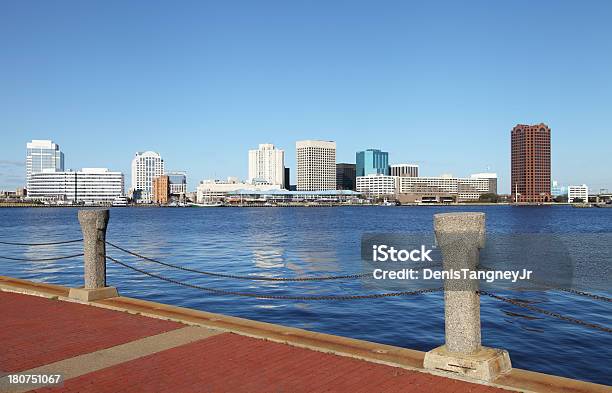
(233, 363)
(36, 331)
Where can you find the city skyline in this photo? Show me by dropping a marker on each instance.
(430, 84)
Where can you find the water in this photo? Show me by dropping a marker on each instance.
(281, 242)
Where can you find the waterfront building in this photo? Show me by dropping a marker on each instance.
(490, 176)
(286, 196)
(372, 162)
(177, 184)
(377, 185)
(316, 165)
(169, 186)
(446, 188)
(557, 190)
(530, 163)
(287, 179)
(212, 190)
(404, 170)
(346, 176)
(161, 189)
(578, 194)
(42, 155)
(267, 163)
(89, 186)
(145, 166)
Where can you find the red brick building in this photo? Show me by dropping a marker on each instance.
(531, 163)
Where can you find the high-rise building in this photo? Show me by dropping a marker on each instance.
(404, 170)
(267, 163)
(372, 162)
(345, 176)
(89, 185)
(316, 165)
(42, 155)
(145, 166)
(530, 166)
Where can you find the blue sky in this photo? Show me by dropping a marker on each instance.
(433, 82)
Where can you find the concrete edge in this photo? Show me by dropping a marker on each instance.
(516, 379)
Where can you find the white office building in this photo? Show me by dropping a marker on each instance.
(578, 194)
(316, 165)
(377, 185)
(145, 166)
(89, 186)
(212, 190)
(267, 163)
(404, 170)
(461, 188)
(42, 155)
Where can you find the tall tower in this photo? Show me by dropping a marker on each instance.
(43, 156)
(267, 163)
(316, 165)
(530, 166)
(145, 166)
(372, 162)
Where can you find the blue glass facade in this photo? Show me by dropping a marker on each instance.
(372, 162)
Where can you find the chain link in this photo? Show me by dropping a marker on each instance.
(41, 259)
(42, 244)
(568, 290)
(238, 277)
(275, 297)
(546, 312)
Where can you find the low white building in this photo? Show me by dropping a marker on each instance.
(217, 189)
(578, 194)
(377, 185)
(89, 186)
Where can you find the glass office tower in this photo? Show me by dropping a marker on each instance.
(43, 156)
(372, 162)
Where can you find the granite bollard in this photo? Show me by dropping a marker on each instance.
(93, 225)
(460, 237)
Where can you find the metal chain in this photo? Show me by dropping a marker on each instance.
(275, 297)
(238, 277)
(586, 294)
(41, 259)
(569, 290)
(42, 244)
(546, 312)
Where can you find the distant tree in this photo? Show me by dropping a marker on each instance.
(489, 197)
(578, 200)
(560, 198)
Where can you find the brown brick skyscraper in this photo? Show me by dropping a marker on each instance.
(531, 163)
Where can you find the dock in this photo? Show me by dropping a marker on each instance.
(122, 344)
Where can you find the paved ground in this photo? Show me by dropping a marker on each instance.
(100, 350)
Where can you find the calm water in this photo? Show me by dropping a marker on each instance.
(320, 241)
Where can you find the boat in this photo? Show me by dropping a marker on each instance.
(207, 204)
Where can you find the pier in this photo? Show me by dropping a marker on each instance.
(100, 341)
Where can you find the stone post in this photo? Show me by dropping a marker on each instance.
(93, 225)
(460, 236)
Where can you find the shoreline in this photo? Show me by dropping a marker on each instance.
(461, 204)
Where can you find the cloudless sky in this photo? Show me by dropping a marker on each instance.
(439, 83)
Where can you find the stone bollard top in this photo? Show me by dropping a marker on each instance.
(97, 216)
(455, 225)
